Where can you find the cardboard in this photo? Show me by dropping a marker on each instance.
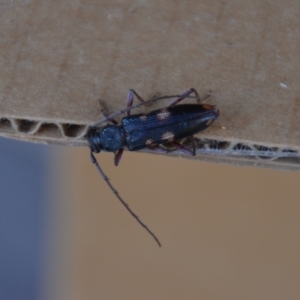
(58, 59)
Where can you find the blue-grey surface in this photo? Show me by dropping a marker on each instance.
(23, 200)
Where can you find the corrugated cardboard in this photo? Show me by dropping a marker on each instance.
(59, 58)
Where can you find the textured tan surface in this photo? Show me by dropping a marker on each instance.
(58, 58)
(226, 232)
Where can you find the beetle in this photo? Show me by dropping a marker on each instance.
(154, 130)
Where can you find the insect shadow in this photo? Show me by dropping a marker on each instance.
(153, 130)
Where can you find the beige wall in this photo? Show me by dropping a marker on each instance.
(227, 232)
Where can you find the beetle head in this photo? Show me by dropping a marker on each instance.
(109, 138)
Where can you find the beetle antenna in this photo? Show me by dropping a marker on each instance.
(152, 100)
(95, 162)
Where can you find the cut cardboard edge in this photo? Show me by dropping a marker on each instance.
(208, 149)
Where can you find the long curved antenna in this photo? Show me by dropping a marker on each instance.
(95, 162)
(123, 111)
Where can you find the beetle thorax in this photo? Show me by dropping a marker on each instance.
(109, 138)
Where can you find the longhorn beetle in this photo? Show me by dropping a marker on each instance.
(152, 130)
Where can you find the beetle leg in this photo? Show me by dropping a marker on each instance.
(132, 93)
(118, 156)
(159, 149)
(177, 146)
(185, 149)
(129, 100)
(106, 115)
(193, 145)
(187, 94)
(206, 97)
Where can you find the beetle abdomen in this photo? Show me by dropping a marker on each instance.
(167, 124)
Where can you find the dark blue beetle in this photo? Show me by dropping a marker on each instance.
(152, 130)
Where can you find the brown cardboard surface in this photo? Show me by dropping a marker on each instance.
(59, 58)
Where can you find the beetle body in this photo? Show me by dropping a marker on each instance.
(157, 127)
(152, 130)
